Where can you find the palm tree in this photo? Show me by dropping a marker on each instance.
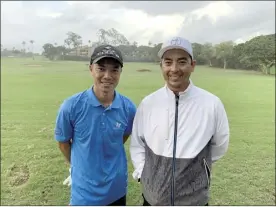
(24, 43)
(32, 42)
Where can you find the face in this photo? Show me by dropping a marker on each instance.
(106, 74)
(177, 67)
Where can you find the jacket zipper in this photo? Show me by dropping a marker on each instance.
(207, 171)
(174, 148)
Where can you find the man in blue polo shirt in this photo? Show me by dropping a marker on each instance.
(91, 129)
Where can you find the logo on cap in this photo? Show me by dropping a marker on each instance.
(176, 41)
(107, 51)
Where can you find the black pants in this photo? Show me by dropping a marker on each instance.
(119, 202)
(147, 204)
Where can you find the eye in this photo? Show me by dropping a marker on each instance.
(101, 69)
(183, 61)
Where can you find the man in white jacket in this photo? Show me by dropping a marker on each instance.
(178, 132)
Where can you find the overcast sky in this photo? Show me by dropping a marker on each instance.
(206, 21)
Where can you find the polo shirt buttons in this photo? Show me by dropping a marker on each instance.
(103, 124)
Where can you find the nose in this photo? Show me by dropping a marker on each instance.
(107, 74)
(174, 67)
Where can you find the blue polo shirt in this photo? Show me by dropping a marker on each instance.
(98, 159)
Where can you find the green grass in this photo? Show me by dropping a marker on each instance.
(31, 96)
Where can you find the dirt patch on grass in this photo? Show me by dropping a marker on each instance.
(8, 127)
(46, 129)
(143, 70)
(18, 175)
(32, 65)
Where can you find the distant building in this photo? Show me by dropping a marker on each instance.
(82, 51)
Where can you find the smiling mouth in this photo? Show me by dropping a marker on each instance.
(175, 77)
(106, 84)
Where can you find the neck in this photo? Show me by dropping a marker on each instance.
(105, 98)
(177, 90)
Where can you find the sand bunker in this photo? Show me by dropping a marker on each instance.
(32, 65)
(144, 70)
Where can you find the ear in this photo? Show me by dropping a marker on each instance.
(193, 65)
(160, 64)
(91, 67)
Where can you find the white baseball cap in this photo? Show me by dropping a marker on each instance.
(176, 43)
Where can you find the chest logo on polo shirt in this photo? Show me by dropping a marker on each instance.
(118, 125)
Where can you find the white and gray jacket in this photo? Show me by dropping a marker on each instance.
(174, 163)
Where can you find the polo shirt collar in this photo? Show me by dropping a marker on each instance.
(116, 101)
(95, 102)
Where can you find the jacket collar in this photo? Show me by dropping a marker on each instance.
(182, 94)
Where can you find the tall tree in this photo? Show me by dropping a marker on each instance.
(208, 53)
(197, 53)
(111, 36)
(67, 42)
(224, 51)
(75, 39)
(260, 52)
(49, 51)
(32, 47)
(24, 44)
(52, 52)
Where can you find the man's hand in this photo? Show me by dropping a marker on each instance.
(68, 180)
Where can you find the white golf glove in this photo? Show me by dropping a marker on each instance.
(68, 181)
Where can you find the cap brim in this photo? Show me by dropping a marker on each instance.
(107, 56)
(165, 49)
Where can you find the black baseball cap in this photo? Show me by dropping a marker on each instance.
(106, 51)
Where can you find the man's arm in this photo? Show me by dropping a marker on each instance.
(64, 129)
(220, 140)
(65, 148)
(131, 114)
(137, 146)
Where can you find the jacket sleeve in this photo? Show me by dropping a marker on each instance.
(220, 140)
(137, 146)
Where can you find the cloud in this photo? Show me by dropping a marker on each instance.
(139, 21)
(239, 22)
(162, 7)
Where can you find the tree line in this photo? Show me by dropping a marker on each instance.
(25, 52)
(256, 54)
